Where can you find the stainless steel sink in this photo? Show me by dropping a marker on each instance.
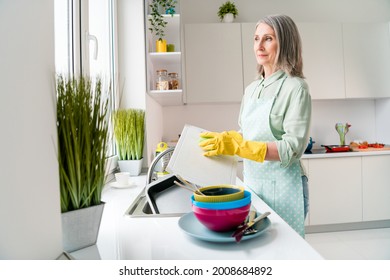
(140, 209)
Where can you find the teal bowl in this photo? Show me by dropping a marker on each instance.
(224, 205)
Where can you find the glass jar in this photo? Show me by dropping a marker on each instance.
(173, 81)
(162, 80)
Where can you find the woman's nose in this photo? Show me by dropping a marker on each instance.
(259, 45)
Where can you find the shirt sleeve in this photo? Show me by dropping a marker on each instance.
(296, 125)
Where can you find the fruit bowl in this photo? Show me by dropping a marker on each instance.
(220, 193)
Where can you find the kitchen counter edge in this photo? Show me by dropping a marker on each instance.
(345, 154)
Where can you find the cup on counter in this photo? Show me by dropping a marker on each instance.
(122, 178)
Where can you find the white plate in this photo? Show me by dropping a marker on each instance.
(190, 225)
(122, 186)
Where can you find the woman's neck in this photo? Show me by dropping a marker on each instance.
(268, 71)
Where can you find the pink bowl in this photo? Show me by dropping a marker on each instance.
(221, 220)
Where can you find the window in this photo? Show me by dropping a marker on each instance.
(85, 43)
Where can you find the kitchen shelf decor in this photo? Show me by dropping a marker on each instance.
(227, 12)
(164, 23)
(157, 21)
(82, 133)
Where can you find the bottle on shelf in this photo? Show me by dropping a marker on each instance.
(173, 81)
(162, 80)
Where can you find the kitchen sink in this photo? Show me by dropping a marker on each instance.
(140, 208)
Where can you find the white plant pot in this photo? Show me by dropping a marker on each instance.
(132, 166)
(228, 18)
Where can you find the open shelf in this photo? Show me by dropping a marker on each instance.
(167, 97)
(171, 61)
(164, 58)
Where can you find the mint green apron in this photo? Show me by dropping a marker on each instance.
(279, 187)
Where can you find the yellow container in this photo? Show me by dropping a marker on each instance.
(220, 193)
(161, 46)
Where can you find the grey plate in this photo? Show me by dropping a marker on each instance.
(190, 225)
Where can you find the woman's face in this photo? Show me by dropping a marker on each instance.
(265, 46)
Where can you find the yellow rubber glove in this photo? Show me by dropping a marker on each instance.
(232, 143)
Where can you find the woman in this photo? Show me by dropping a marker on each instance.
(274, 120)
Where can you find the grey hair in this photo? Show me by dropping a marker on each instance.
(289, 53)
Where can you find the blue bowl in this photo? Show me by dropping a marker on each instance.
(224, 205)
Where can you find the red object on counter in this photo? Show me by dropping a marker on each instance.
(336, 148)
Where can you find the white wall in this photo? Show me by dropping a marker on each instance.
(361, 114)
(382, 120)
(131, 53)
(132, 68)
(29, 188)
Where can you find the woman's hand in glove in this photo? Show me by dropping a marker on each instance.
(232, 143)
(225, 143)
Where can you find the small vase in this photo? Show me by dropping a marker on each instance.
(161, 46)
(228, 18)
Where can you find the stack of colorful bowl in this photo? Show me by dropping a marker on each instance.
(221, 208)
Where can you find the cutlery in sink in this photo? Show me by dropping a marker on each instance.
(239, 233)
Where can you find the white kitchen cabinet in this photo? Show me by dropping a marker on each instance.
(323, 64)
(322, 46)
(171, 61)
(335, 190)
(213, 63)
(376, 187)
(249, 63)
(367, 59)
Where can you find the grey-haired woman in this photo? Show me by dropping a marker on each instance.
(274, 120)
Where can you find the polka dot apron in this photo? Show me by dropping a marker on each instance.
(279, 187)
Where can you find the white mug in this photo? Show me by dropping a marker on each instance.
(122, 178)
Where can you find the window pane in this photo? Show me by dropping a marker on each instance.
(101, 61)
(89, 49)
(63, 49)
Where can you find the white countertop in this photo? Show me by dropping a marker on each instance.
(123, 237)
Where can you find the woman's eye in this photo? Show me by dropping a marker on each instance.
(268, 38)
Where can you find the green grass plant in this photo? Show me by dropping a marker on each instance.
(129, 132)
(82, 130)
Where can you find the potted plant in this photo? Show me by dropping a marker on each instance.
(129, 133)
(227, 12)
(82, 132)
(157, 22)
